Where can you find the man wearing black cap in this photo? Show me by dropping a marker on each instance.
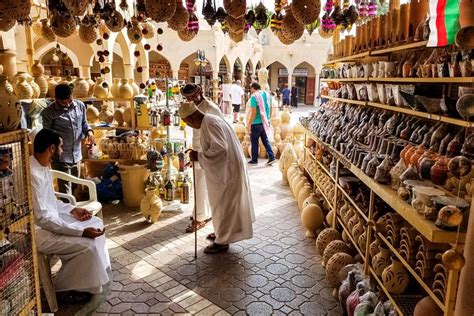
(67, 117)
(193, 93)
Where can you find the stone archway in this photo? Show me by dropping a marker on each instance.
(238, 70)
(224, 69)
(190, 72)
(159, 67)
(277, 76)
(59, 61)
(304, 78)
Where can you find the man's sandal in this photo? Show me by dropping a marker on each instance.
(196, 225)
(215, 248)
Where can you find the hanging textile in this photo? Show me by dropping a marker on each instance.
(444, 22)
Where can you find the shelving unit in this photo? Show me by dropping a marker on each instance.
(423, 226)
(403, 80)
(425, 115)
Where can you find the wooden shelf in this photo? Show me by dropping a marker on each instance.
(413, 273)
(425, 80)
(434, 117)
(106, 99)
(345, 80)
(349, 234)
(112, 160)
(427, 228)
(310, 154)
(354, 204)
(348, 58)
(125, 128)
(399, 48)
(319, 188)
(356, 102)
(326, 170)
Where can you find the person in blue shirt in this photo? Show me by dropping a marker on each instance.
(286, 95)
(260, 123)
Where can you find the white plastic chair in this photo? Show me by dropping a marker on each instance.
(92, 205)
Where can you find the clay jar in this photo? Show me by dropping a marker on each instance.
(101, 88)
(125, 89)
(105, 115)
(92, 114)
(291, 172)
(11, 112)
(439, 172)
(135, 87)
(395, 278)
(311, 199)
(151, 205)
(81, 88)
(22, 87)
(295, 181)
(416, 156)
(312, 218)
(425, 163)
(381, 260)
(299, 186)
(51, 87)
(303, 195)
(114, 89)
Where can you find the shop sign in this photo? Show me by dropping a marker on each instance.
(297, 72)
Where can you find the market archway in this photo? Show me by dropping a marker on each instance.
(59, 61)
(191, 72)
(238, 70)
(224, 69)
(277, 76)
(304, 78)
(159, 67)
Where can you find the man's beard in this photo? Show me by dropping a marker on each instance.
(56, 154)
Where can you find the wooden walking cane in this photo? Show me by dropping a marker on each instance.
(195, 211)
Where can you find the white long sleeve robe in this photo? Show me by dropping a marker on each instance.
(84, 260)
(227, 181)
(203, 209)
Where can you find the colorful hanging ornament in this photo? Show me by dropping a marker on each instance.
(363, 9)
(261, 18)
(221, 15)
(312, 26)
(372, 8)
(350, 17)
(209, 12)
(250, 17)
(275, 22)
(444, 22)
(277, 6)
(328, 6)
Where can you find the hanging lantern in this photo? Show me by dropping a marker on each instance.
(114, 21)
(180, 18)
(221, 15)
(186, 35)
(209, 12)
(160, 10)
(275, 22)
(46, 31)
(250, 17)
(291, 29)
(372, 8)
(312, 26)
(235, 25)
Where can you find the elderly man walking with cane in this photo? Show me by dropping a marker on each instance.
(225, 171)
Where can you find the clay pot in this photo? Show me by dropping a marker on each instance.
(125, 90)
(76, 7)
(151, 205)
(239, 129)
(288, 156)
(91, 87)
(92, 114)
(291, 171)
(303, 195)
(37, 69)
(416, 156)
(325, 237)
(51, 87)
(118, 117)
(42, 83)
(395, 278)
(381, 260)
(426, 306)
(134, 32)
(63, 25)
(312, 218)
(127, 116)
(311, 199)
(335, 265)
(114, 89)
(81, 88)
(135, 87)
(9, 106)
(335, 246)
(299, 185)
(439, 172)
(88, 34)
(36, 88)
(22, 88)
(101, 88)
(179, 20)
(105, 115)
(425, 163)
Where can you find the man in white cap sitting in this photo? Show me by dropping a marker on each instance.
(226, 176)
(193, 93)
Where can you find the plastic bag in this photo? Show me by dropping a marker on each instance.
(366, 305)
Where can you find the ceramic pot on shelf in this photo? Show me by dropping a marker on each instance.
(395, 278)
(36, 88)
(81, 88)
(52, 83)
(312, 218)
(101, 89)
(135, 87)
(9, 106)
(105, 115)
(151, 205)
(381, 260)
(114, 89)
(127, 116)
(22, 88)
(125, 89)
(439, 171)
(91, 87)
(92, 114)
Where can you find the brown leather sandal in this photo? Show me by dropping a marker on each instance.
(196, 225)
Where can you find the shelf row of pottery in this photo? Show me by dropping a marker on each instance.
(426, 63)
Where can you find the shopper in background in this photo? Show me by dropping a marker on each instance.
(237, 98)
(70, 233)
(260, 123)
(294, 96)
(286, 95)
(223, 162)
(226, 98)
(67, 117)
(193, 93)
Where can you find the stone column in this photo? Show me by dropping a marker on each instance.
(215, 86)
(290, 79)
(175, 73)
(8, 61)
(128, 71)
(145, 75)
(85, 71)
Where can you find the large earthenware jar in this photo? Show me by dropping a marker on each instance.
(8, 61)
(114, 89)
(287, 158)
(101, 88)
(105, 115)
(37, 69)
(81, 88)
(325, 237)
(312, 218)
(118, 116)
(311, 199)
(381, 260)
(335, 265)
(91, 87)
(303, 195)
(10, 117)
(51, 87)
(427, 306)
(92, 114)
(296, 179)
(439, 172)
(151, 205)
(125, 89)
(36, 88)
(395, 277)
(135, 87)
(239, 129)
(22, 87)
(291, 172)
(127, 116)
(299, 186)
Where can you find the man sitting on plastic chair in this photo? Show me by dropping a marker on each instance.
(68, 232)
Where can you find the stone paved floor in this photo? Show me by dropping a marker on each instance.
(275, 272)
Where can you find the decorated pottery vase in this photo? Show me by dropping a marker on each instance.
(135, 87)
(303, 195)
(105, 115)
(42, 83)
(334, 266)
(381, 260)
(81, 88)
(311, 199)
(291, 172)
(427, 306)
(36, 88)
(312, 218)
(325, 237)
(395, 277)
(335, 246)
(288, 156)
(151, 205)
(92, 114)
(297, 188)
(114, 89)
(101, 88)
(9, 106)
(22, 88)
(425, 163)
(439, 171)
(125, 90)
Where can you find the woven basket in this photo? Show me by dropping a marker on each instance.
(18, 10)
(235, 24)
(236, 37)
(235, 8)
(179, 20)
(160, 10)
(291, 29)
(186, 35)
(305, 11)
(63, 25)
(88, 34)
(47, 32)
(150, 29)
(284, 40)
(325, 34)
(134, 33)
(6, 24)
(76, 7)
(115, 22)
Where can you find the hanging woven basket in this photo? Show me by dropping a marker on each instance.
(291, 29)
(18, 10)
(235, 8)
(63, 25)
(235, 25)
(305, 11)
(186, 35)
(284, 40)
(325, 33)
(148, 29)
(160, 10)
(236, 37)
(275, 23)
(114, 21)
(47, 32)
(6, 24)
(180, 18)
(76, 7)
(88, 34)
(134, 32)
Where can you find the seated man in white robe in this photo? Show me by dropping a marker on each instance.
(226, 176)
(70, 233)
